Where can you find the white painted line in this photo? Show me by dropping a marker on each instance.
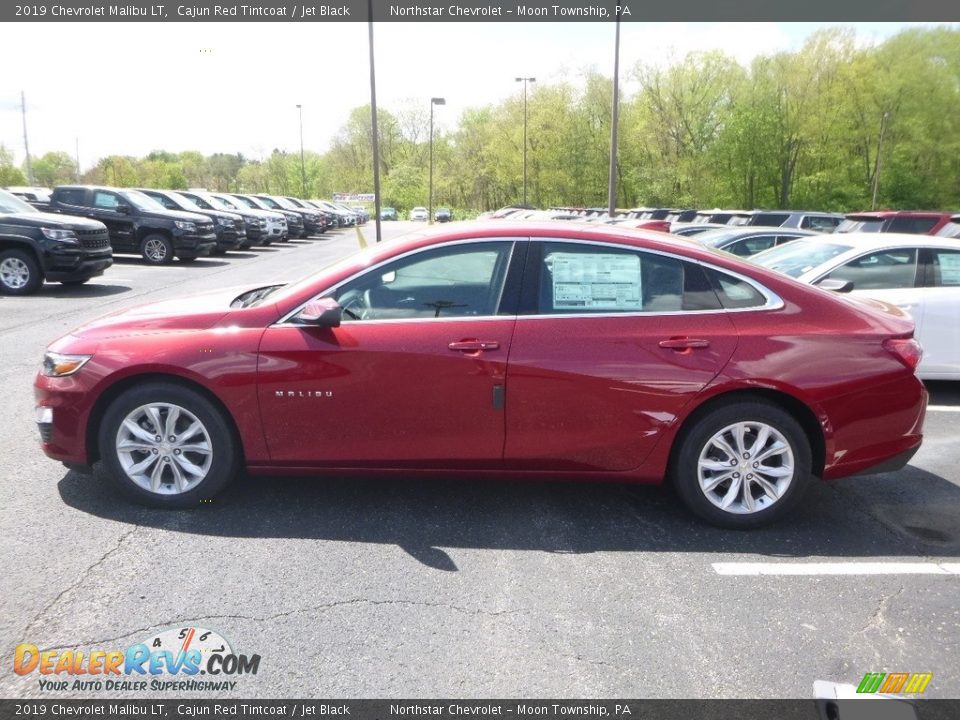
(943, 408)
(837, 568)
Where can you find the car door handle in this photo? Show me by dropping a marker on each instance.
(684, 343)
(474, 345)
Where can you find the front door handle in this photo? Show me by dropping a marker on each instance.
(474, 345)
(684, 343)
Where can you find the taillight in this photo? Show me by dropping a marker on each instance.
(907, 350)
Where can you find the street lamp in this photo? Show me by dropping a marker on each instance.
(303, 171)
(525, 80)
(433, 101)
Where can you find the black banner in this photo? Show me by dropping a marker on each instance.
(482, 11)
(866, 709)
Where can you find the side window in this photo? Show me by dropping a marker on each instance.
(753, 245)
(72, 196)
(455, 281)
(885, 269)
(734, 293)
(198, 201)
(105, 200)
(585, 278)
(946, 268)
(165, 201)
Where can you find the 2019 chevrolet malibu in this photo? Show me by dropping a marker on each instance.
(551, 350)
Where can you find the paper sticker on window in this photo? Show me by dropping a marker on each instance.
(949, 268)
(595, 281)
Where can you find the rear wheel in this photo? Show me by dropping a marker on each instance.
(167, 446)
(157, 249)
(742, 465)
(19, 273)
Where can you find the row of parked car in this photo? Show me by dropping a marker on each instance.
(69, 234)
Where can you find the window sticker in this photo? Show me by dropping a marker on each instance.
(949, 268)
(595, 281)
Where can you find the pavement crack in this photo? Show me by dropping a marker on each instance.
(878, 620)
(80, 580)
(100, 642)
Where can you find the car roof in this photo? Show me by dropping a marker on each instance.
(885, 214)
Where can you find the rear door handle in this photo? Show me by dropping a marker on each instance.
(474, 345)
(684, 343)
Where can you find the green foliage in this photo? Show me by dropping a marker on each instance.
(822, 127)
(9, 175)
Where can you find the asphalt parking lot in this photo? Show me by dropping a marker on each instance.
(421, 588)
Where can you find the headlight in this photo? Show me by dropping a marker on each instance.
(65, 236)
(57, 365)
(184, 225)
(225, 221)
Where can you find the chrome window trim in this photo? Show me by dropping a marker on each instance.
(773, 301)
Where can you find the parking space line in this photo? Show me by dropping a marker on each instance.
(943, 408)
(837, 568)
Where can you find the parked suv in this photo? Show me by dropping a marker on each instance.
(321, 223)
(309, 219)
(913, 222)
(35, 246)
(292, 222)
(254, 221)
(137, 223)
(227, 226)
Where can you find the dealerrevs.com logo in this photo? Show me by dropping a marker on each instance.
(171, 660)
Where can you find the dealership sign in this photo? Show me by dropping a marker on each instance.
(355, 197)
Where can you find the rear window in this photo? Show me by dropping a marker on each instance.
(70, 196)
(735, 293)
(855, 225)
(770, 219)
(950, 230)
(914, 225)
(799, 256)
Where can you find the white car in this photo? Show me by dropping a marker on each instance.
(920, 274)
(419, 213)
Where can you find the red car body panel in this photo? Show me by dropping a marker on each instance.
(939, 219)
(589, 397)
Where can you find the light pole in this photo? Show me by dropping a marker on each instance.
(433, 101)
(375, 133)
(614, 127)
(303, 170)
(525, 80)
(26, 145)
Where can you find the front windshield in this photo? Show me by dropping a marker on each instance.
(800, 256)
(244, 201)
(184, 201)
(10, 203)
(284, 203)
(270, 203)
(141, 201)
(225, 203)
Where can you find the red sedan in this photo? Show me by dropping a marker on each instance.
(554, 350)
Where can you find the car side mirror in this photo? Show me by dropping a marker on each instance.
(325, 312)
(123, 209)
(840, 286)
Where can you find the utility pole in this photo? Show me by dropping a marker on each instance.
(26, 145)
(433, 101)
(525, 80)
(303, 172)
(373, 122)
(614, 124)
(77, 150)
(876, 170)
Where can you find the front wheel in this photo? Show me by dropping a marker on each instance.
(742, 465)
(19, 273)
(157, 249)
(166, 446)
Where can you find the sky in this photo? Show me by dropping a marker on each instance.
(129, 88)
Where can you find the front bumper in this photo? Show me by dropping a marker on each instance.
(191, 245)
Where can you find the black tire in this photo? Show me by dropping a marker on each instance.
(19, 273)
(224, 456)
(81, 281)
(156, 249)
(696, 440)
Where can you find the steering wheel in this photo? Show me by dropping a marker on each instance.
(356, 305)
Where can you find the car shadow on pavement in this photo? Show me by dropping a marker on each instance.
(90, 290)
(909, 513)
(943, 392)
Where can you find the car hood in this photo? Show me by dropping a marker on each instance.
(52, 220)
(194, 312)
